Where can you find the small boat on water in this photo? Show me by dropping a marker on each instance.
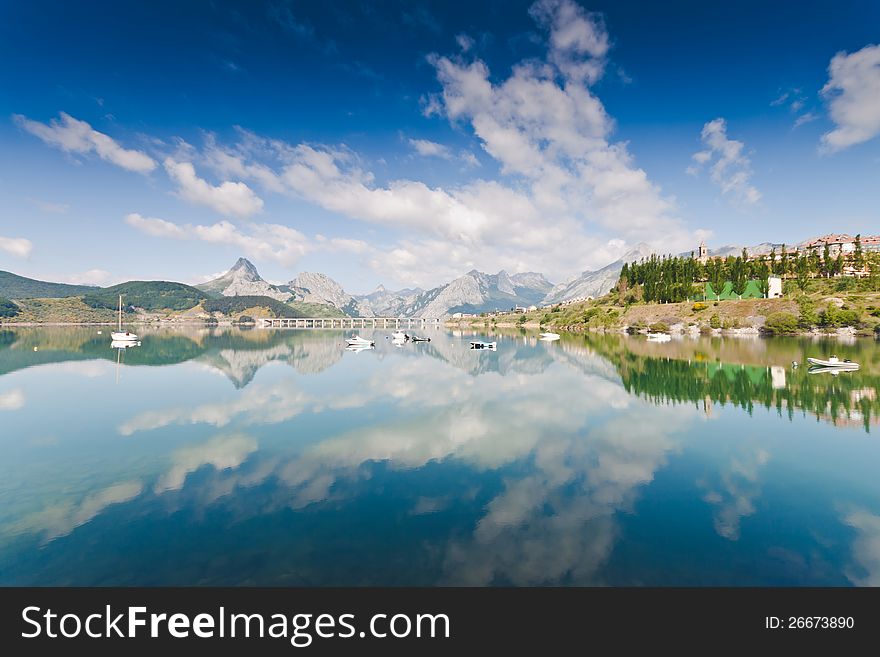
(119, 335)
(416, 338)
(549, 336)
(357, 348)
(399, 336)
(833, 362)
(358, 341)
(659, 337)
(484, 345)
(124, 344)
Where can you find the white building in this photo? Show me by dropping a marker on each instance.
(774, 287)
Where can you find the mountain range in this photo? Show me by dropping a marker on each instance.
(474, 292)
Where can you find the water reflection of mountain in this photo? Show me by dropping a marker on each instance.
(695, 372)
(238, 354)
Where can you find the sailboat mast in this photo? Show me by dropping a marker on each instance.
(120, 313)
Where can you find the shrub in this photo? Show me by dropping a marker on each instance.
(698, 306)
(246, 319)
(780, 323)
(8, 308)
(521, 320)
(833, 317)
(808, 316)
(659, 327)
(715, 321)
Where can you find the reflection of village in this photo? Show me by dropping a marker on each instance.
(707, 372)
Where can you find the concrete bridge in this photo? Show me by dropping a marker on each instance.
(350, 322)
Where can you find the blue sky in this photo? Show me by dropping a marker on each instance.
(409, 142)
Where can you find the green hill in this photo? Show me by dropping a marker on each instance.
(149, 295)
(238, 304)
(13, 286)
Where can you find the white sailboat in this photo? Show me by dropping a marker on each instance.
(119, 335)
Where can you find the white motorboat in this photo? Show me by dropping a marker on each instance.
(119, 335)
(416, 338)
(484, 345)
(659, 337)
(357, 348)
(399, 336)
(549, 336)
(833, 362)
(358, 341)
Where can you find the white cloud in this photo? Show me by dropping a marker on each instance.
(464, 42)
(228, 198)
(805, 118)
(731, 169)
(16, 246)
(155, 227)
(853, 95)
(90, 277)
(11, 400)
(274, 242)
(578, 40)
(427, 148)
(74, 136)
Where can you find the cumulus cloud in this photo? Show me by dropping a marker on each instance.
(569, 197)
(853, 96)
(260, 241)
(731, 168)
(16, 246)
(74, 136)
(228, 198)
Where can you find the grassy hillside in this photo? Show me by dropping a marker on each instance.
(826, 305)
(69, 310)
(149, 295)
(13, 286)
(239, 304)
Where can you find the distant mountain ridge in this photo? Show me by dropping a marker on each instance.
(595, 283)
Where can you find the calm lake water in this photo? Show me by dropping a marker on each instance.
(258, 457)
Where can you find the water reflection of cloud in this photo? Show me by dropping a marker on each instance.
(557, 524)
(61, 519)
(258, 404)
(866, 547)
(11, 400)
(221, 452)
(734, 497)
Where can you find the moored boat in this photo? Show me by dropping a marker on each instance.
(358, 341)
(549, 336)
(119, 335)
(833, 362)
(476, 344)
(659, 337)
